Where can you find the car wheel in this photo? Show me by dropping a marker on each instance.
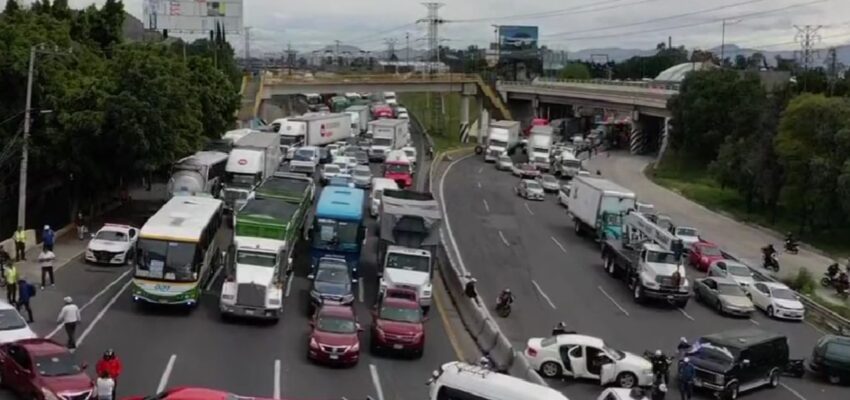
(627, 380)
(550, 369)
(833, 378)
(697, 296)
(769, 311)
(773, 379)
(612, 267)
(577, 226)
(719, 307)
(732, 391)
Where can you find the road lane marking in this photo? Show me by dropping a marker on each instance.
(480, 169)
(682, 310)
(448, 229)
(794, 392)
(528, 208)
(276, 379)
(754, 322)
(102, 312)
(449, 332)
(163, 381)
(612, 300)
(558, 243)
(376, 380)
(505, 241)
(542, 293)
(360, 290)
(479, 185)
(486, 206)
(92, 300)
(289, 284)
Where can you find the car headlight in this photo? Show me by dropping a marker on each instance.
(316, 295)
(348, 298)
(228, 297)
(426, 293)
(48, 394)
(651, 284)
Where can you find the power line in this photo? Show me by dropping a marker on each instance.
(554, 13)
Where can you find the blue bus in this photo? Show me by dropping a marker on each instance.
(338, 228)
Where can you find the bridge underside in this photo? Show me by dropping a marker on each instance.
(466, 88)
(589, 103)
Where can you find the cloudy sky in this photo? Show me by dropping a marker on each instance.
(564, 24)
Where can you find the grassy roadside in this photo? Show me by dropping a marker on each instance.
(694, 182)
(444, 128)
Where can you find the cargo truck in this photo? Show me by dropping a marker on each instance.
(254, 158)
(265, 233)
(338, 104)
(597, 205)
(359, 118)
(202, 172)
(648, 259)
(387, 135)
(408, 233)
(291, 136)
(539, 144)
(502, 138)
(322, 129)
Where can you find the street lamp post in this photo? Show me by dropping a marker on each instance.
(723, 40)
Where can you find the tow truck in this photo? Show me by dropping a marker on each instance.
(649, 259)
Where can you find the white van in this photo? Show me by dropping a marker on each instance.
(378, 187)
(461, 381)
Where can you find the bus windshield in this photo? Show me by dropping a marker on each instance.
(330, 234)
(167, 261)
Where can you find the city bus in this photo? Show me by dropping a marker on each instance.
(177, 251)
(338, 228)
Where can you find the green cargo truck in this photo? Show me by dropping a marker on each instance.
(339, 104)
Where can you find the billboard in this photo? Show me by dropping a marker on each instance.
(517, 42)
(193, 16)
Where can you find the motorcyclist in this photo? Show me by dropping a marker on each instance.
(843, 282)
(561, 329)
(660, 365)
(506, 298)
(684, 347)
(790, 241)
(833, 270)
(469, 289)
(769, 251)
(484, 362)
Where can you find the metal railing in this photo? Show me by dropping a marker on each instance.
(672, 86)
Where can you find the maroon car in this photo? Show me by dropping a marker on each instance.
(702, 254)
(398, 324)
(525, 171)
(335, 336)
(43, 369)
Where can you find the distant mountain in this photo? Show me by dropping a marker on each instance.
(615, 54)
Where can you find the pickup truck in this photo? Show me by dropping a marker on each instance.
(651, 272)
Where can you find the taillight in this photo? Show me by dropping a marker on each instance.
(532, 352)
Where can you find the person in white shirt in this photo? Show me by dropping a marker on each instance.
(104, 386)
(69, 317)
(45, 260)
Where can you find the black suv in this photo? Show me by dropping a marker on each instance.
(736, 361)
(331, 284)
(831, 359)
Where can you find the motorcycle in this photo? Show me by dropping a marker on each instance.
(503, 308)
(828, 280)
(791, 246)
(771, 263)
(794, 368)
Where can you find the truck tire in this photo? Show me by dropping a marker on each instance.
(637, 293)
(577, 225)
(610, 266)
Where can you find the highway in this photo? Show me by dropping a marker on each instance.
(505, 241)
(170, 347)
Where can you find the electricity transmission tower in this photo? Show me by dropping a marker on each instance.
(434, 21)
(807, 36)
(391, 42)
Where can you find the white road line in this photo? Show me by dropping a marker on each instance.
(163, 381)
(528, 208)
(612, 300)
(289, 284)
(480, 169)
(360, 290)
(682, 310)
(276, 379)
(504, 240)
(448, 229)
(479, 185)
(102, 312)
(754, 322)
(376, 380)
(558, 243)
(92, 300)
(542, 293)
(794, 392)
(486, 206)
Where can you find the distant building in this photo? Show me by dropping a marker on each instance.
(677, 73)
(413, 66)
(134, 30)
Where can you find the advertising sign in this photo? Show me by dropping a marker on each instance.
(193, 16)
(518, 41)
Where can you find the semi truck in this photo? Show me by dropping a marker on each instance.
(408, 233)
(387, 135)
(648, 259)
(597, 205)
(322, 129)
(265, 232)
(502, 137)
(360, 117)
(254, 158)
(539, 144)
(566, 164)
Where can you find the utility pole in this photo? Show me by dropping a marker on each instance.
(336, 54)
(833, 69)
(723, 41)
(390, 42)
(407, 48)
(434, 22)
(807, 36)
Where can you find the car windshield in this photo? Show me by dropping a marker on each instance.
(304, 154)
(711, 251)
(716, 353)
(112, 236)
(11, 320)
(362, 173)
(412, 315)
(686, 232)
(614, 353)
(739, 270)
(398, 168)
(57, 365)
(409, 262)
(661, 257)
(332, 274)
(336, 325)
(361, 155)
(533, 185)
(498, 143)
(331, 168)
(546, 342)
(241, 180)
(256, 258)
(549, 179)
(288, 140)
(410, 153)
(730, 289)
(164, 260)
(783, 294)
(382, 141)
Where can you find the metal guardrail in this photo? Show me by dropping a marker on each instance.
(605, 82)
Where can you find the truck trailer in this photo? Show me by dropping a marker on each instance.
(387, 135)
(322, 129)
(502, 138)
(597, 205)
(360, 116)
(254, 158)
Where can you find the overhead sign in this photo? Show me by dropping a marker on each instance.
(518, 41)
(193, 16)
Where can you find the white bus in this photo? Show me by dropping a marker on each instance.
(177, 251)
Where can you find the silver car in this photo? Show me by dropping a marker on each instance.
(504, 163)
(732, 270)
(529, 189)
(549, 183)
(362, 176)
(724, 295)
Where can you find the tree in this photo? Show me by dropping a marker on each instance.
(740, 61)
(12, 7)
(60, 9)
(704, 56)
(575, 70)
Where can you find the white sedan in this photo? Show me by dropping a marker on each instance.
(777, 300)
(13, 327)
(587, 357)
(112, 244)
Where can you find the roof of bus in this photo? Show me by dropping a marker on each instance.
(341, 202)
(183, 218)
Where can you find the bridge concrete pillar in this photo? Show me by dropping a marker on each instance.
(665, 137)
(637, 138)
(464, 116)
(535, 107)
(483, 119)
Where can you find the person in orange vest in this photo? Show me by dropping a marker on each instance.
(110, 364)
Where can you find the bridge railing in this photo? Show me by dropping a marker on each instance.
(672, 86)
(284, 78)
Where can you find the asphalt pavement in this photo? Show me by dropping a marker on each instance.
(506, 241)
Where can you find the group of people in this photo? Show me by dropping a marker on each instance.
(661, 366)
(19, 291)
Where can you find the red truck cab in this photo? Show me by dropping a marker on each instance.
(382, 111)
(398, 323)
(399, 168)
(535, 122)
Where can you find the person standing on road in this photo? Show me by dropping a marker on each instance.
(80, 222)
(470, 290)
(48, 238)
(11, 276)
(105, 386)
(684, 347)
(20, 244)
(25, 292)
(69, 317)
(110, 365)
(686, 379)
(45, 260)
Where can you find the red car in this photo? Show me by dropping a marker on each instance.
(702, 254)
(43, 369)
(398, 323)
(335, 336)
(191, 393)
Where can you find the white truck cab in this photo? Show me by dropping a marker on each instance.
(660, 267)
(254, 289)
(407, 268)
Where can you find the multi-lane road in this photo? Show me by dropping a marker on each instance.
(530, 247)
(166, 347)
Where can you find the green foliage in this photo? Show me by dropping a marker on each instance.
(575, 71)
(803, 282)
(637, 68)
(12, 7)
